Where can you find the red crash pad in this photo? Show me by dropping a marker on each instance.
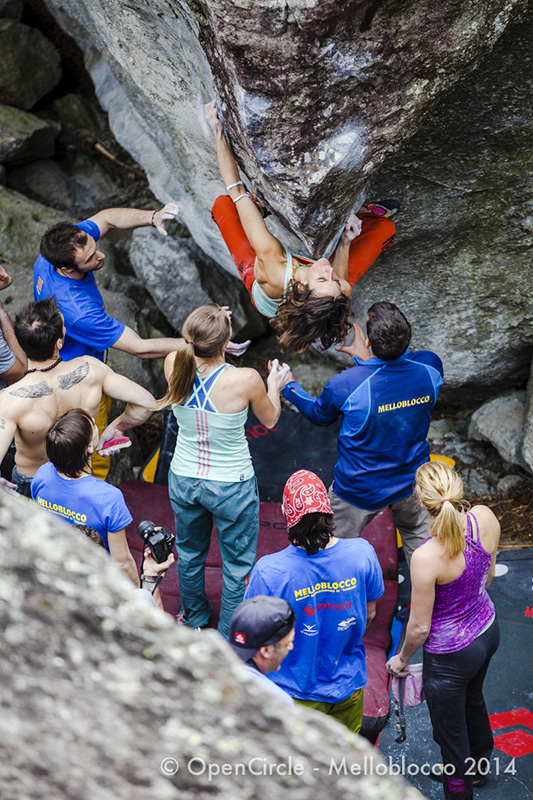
(151, 501)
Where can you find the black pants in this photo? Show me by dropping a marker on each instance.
(453, 684)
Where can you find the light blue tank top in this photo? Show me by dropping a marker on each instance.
(210, 445)
(265, 305)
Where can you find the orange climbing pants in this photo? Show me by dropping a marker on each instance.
(377, 235)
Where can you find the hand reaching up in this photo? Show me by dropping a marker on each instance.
(358, 347)
(211, 116)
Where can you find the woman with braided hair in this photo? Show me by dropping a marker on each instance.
(211, 477)
(453, 616)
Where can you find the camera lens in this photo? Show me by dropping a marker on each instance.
(145, 528)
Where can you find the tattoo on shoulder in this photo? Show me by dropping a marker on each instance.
(41, 389)
(2, 424)
(72, 378)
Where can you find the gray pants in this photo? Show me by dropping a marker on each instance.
(409, 517)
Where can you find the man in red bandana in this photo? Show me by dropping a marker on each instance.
(332, 585)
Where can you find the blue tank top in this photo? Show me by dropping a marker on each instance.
(210, 445)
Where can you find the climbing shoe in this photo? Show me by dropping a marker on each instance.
(381, 208)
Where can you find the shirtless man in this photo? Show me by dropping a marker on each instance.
(52, 386)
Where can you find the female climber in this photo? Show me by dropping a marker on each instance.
(453, 616)
(211, 476)
(309, 300)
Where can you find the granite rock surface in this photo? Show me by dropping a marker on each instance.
(30, 65)
(314, 95)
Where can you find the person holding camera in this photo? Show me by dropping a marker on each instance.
(64, 486)
(153, 572)
(211, 475)
(155, 561)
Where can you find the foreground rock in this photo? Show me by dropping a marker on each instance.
(102, 693)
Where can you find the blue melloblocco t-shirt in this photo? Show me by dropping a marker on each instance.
(386, 409)
(89, 331)
(81, 501)
(328, 592)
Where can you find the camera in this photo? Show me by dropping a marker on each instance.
(158, 539)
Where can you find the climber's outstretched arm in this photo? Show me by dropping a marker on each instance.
(339, 262)
(268, 249)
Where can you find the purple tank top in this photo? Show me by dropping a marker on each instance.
(463, 607)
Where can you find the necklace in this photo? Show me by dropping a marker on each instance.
(45, 369)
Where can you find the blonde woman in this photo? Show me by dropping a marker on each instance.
(453, 616)
(211, 475)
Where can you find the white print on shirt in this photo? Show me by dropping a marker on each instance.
(345, 624)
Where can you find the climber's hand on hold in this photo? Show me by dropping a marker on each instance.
(211, 116)
(352, 229)
(170, 211)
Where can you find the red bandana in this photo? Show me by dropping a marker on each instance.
(304, 493)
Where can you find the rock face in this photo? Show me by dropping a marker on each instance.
(527, 441)
(344, 85)
(24, 137)
(314, 95)
(169, 272)
(76, 194)
(501, 422)
(313, 104)
(461, 268)
(102, 695)
(29, 67)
